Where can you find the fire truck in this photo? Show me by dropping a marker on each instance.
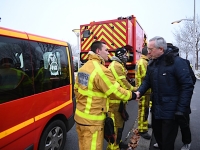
(121, 32)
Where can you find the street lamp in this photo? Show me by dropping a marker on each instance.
(194, 37)
(77, 32)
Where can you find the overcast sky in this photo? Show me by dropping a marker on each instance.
(57, 18)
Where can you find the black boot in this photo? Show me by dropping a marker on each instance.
(123, 145)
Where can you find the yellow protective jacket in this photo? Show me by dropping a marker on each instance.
(94, 84)
(140, 71)
(119, 72)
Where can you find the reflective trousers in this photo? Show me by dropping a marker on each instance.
(90, 137)
(143, 112)
(118, 127)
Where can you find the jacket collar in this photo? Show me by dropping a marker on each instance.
(144, 57)
(114, 58)
(94, 56)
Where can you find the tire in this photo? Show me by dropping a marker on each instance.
(53, 136)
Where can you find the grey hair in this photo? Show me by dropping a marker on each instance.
(159, 42)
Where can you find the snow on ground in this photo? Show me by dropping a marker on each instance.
(197, 74)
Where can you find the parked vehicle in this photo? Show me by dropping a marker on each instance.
(121, 32)
(37, 102)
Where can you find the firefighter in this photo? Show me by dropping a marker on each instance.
(118, 69)
(14, 82)
(93, 86)
(143, 104)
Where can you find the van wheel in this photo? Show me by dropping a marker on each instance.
(54, 136)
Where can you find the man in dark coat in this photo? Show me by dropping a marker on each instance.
(172, 87)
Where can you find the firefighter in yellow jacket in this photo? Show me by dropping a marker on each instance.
(143, 105)
(93, 86)
(117, 67)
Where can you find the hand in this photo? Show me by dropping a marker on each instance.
(134, 96)
(138, 95)
(181, 120)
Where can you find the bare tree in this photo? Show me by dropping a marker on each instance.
(75, 50)
(184, 39)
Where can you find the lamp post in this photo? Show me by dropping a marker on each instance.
(194, 37)
(77, 32)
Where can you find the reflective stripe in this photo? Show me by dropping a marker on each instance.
(90, 87)
(118, 78)
(16, 128)
(112, 87)
(94, 141)
(105, 78)
(141, 71)
(91, 93)
(90, 117)
(28, 122)
(76, 85)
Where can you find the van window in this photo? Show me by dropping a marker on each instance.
(15, 69)
(51, 67)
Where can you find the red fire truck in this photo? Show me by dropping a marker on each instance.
(121, 32)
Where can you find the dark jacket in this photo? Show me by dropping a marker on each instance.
(171, 84)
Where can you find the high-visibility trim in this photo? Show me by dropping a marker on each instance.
(22, 125)
(68, 55)
(140, 73)
(12, 33)
(26, 36)
(76, 85)
(86, 45)
(113, 118)
(90, 87)
(90, 117)
(118, 78)
(16, 128)
(112, 88)
(47, 113)
(46, 40)
(91, 94)
(94, 141)
(106, 80)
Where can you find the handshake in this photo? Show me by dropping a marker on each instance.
(135, 95)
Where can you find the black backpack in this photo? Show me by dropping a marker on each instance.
(109, 133)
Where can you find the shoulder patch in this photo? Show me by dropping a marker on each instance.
(83, 78)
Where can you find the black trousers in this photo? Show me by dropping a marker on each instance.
(184, 123)
(165, 132)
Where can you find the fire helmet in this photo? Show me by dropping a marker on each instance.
(121, 54)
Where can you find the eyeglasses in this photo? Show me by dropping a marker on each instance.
(150, 49)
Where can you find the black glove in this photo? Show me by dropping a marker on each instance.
(109, 133)
(134, 96)
(181, 119)
(123, 111)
